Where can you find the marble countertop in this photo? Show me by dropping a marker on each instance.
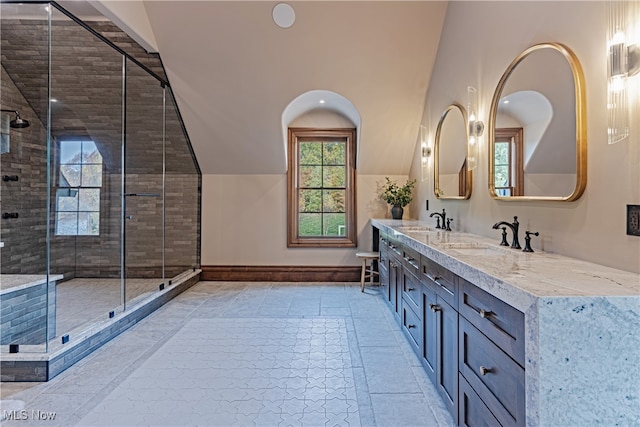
(514, 276)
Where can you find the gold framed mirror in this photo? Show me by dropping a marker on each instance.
(452, 177)
(537, 127)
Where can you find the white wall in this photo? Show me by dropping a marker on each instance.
(478, 42)
(244, 221)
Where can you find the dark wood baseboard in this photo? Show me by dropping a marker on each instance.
(280, 273)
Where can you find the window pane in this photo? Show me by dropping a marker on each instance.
(333, 200)
(67, 200)
(334, 176)
(89, 199)
(310, 201)
(334, 153)
(501, 153)
(310, 153)
(334, 224)
(90, 153)
(502, 176)
(66, 223)
(310, 176)
(88, 223)
(92, 175)
(309, 224)
(70, 152)
(70, 176)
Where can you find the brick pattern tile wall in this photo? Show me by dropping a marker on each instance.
(87, 82)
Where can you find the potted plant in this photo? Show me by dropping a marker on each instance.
(398, 197)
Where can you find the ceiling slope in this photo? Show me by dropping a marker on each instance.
(233, 72)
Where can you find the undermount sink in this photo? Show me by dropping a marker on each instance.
(414, 229)
(475, 248)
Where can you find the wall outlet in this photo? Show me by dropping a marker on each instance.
(633, 220)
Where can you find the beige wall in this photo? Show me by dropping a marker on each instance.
(244, 221)
(479, 40)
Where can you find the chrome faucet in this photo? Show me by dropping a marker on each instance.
(439, 216)
(515, 243)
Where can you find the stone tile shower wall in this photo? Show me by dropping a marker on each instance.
(24, 237)
(96, 114)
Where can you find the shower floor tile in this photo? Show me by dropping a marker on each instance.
(81, 301)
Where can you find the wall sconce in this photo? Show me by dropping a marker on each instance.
(425, 152)
(623, 60)
(424, 147)
(476, 127)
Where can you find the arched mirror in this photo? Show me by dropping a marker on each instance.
(537, 127)
(452, 177)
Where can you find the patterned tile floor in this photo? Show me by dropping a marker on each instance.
(245, 354)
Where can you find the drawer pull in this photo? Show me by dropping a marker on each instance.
(410, 289)
(411, 326)
(485, 313)
(484, 371)
(434, 307)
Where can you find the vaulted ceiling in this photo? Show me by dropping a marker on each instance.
(234, 71)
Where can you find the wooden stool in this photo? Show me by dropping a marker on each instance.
(367, 271)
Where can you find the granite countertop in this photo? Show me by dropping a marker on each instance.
(517, 277)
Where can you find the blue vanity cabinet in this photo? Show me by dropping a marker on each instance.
(383, 265)
(440, 325)
(412, 310)
(491, 362)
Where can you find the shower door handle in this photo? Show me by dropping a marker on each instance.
(142, 194)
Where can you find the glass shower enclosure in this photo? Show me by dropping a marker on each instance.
(100, 191)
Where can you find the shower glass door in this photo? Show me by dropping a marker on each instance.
(143, 213)
(27, 298)
(85, 104)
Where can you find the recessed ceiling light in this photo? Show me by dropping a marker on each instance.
(506, 101)
(322, 101)
(283, 15)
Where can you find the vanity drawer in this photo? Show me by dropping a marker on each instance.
(413, 326)
(472, 411)
(444, 282)
(503, 324)
(411, 259)
(412, 290)
(383, 242)
(395, 245)
(496, 378)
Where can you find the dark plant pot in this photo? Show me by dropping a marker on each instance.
(396, 212)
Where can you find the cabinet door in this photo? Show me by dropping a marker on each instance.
(383, 267)
(447, 345)
(473, 412)
(395, 277)
(430, 331)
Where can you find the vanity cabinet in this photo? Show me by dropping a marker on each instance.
(439, 355)
(491, 362)
(470, 343)
(477, 305)
(383, 265)
(390, 268)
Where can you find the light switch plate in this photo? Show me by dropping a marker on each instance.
(633, 220)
